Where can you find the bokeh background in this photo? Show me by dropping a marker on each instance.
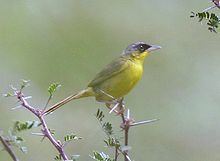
(70, 41)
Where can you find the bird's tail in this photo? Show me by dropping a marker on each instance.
(84, 93)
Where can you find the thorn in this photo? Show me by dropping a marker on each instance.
(15, 93)
(113, 108)
(28, 97)
(37, 134)
(129, 159)
(17, 107)
(209, 8)
(143, 122)
(128, 114)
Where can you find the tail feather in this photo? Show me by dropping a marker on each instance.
(84, 93)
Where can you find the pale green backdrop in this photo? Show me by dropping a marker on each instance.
(69, 41)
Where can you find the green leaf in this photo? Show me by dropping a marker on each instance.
(101, 156)
(8, 95)
(71, 137)
(21, 126)
(112, 142)
(100, 115)
(19, 139)
(53, 87)
(213, 20)
(58, 157)
(108, 128)
(24, 83)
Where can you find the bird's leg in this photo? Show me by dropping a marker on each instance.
(116, 106)
(112, 109)
(121, 106)
(115, 102)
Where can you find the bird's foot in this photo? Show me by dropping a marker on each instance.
(116, 106)
(112, 107)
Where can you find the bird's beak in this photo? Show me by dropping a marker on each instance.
(153, 47)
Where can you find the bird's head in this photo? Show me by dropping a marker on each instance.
(139, 50)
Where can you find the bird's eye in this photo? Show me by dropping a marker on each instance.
(141, 48)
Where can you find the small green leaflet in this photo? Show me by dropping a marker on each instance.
(21, 126)
(71, 137)
(53, 87)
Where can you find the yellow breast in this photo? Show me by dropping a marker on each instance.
(120, 84)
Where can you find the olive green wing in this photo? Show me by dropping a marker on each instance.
(112, 69)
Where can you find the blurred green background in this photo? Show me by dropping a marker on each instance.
(70, 41)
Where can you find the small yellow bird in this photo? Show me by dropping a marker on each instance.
(117, 78)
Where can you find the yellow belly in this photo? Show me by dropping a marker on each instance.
(119, 85)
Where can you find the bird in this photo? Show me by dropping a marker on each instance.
(116, 79)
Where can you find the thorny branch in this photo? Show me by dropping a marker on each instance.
(127, 123)
(45, 130)
(7, 147)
